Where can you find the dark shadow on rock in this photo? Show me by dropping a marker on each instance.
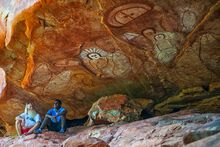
(176, 110)
(146, 113)
(76, 122)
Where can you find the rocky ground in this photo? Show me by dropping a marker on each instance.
(115, 61)
(177, 129)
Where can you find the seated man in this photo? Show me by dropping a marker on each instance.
(28, 121)
(55, 119)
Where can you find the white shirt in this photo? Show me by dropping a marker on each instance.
(29, 121)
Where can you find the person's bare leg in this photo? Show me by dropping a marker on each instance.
(45, 122)
(63, 122)
(18, 127)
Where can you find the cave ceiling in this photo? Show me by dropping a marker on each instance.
(80, 50)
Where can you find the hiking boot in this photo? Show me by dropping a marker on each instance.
(38, 131)
(62, 130)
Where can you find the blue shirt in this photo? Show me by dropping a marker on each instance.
(54, 112)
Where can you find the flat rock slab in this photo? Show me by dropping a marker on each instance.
(177, 129)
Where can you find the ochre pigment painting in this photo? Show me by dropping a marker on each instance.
(115, 72)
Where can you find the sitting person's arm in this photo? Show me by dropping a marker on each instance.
(62, 113)
(21, 118)
(18, 118)
(49, 115)
(33, 128)
(37, 124)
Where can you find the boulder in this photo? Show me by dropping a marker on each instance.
(115, 108)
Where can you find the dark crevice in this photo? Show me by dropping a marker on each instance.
(145, 113)
(176, 110)
(205, 87)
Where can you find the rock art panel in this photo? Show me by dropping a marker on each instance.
(138, 40)
(75, 49)
(209, 42)
(166, 46)
(138, 16)
(105, 64)
(139, 25)
(67, 82)
(122, 15)
(82, 78)
(107, 43)
(59, 83)
(41, 75)
(191, 12)
(130, 36)
(53, 43)
(189, 20)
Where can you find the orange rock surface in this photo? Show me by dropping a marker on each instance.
(81, 50)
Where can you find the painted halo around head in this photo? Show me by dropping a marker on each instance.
(93, 53)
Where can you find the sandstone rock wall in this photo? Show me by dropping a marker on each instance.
(80, 50)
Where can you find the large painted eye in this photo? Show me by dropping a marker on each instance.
(93, 53)
(94, 56)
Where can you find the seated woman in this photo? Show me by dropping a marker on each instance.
(28, 121)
